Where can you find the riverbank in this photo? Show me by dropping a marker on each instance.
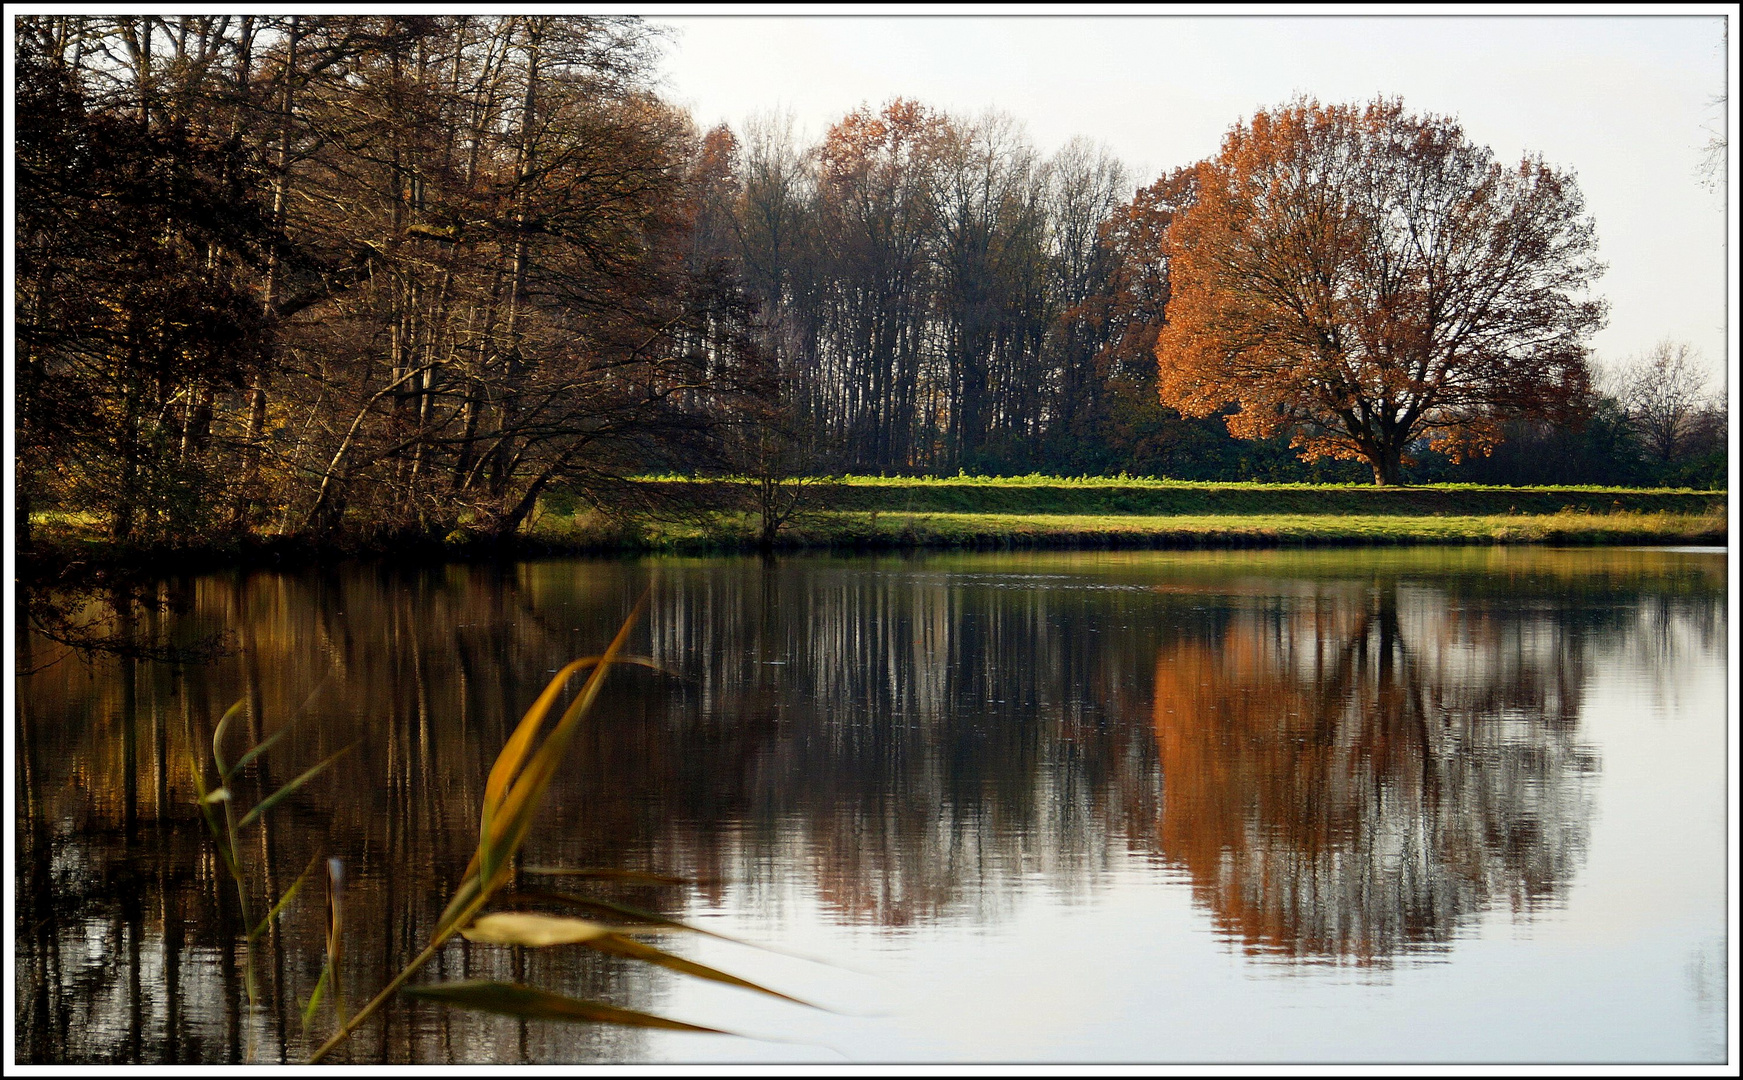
(898, 530)
(879, 514)
(893, 513)
(1124, 495)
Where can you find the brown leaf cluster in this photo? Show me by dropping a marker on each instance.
(1365, 278)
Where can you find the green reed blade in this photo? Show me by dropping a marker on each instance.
(199, 775)
(615, 875)
(285, 792)
(618, 945)
(533, 930)
(259, 748)
(220, 835)
(514, 999)
(218, 740)
(315, 997)
(289, 894)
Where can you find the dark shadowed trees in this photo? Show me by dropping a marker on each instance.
(341, 275)
(138, 244)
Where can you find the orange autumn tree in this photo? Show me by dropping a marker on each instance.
(1362, 278)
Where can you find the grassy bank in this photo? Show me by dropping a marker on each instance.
(895, 530)
(1120, 495)
(874, 513)
(1026, 512)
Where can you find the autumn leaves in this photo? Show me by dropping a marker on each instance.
(1364, 278)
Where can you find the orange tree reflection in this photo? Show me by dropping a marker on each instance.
(1338, 792)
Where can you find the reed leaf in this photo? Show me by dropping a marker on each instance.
(618, 945)
(335, 935)
(258, 749)
(289, 894)
(532, 929)
(500, 839)
(608, 907)
(220, 835)
(316, 995)
(514, 999)
(266, 744)
(610, 874)
(521, 802)
(218, 741)
(515, 810)
(660, 922)
(285, 792)
(464, 898)
(514, 752)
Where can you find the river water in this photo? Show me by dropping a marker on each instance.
(1416, 805)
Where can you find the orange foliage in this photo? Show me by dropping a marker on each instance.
(717, 158)
(1364, 278)
(1338, 791)
(1272, 766)
(1137, 293)
(883, 144)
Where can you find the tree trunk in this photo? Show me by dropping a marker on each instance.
(509, 523)
(248, 493)
(1388, 464)
(768, 494)
(21, 521)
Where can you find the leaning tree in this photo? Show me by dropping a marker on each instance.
(1363, 278)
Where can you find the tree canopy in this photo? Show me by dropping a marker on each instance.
(1362, 278)
(391, 278)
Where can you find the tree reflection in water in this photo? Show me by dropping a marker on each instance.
(901, 747)
(1351, 754)
(1355, 773)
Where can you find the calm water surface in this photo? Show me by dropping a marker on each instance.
(1434, 805)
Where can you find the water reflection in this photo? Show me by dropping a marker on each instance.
(928, 740)
(1354, 773)
(1351, 755)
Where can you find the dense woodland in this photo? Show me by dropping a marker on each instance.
(385, 276)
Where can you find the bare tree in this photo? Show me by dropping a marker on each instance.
(1664, 390)
(1714, 153)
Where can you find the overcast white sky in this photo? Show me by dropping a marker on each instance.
(1626, 101)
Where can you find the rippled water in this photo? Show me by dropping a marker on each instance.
(1412, 805)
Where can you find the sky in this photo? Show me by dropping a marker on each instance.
(1625, 101)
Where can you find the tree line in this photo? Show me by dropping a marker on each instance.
(389, 275)
(323, 273)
